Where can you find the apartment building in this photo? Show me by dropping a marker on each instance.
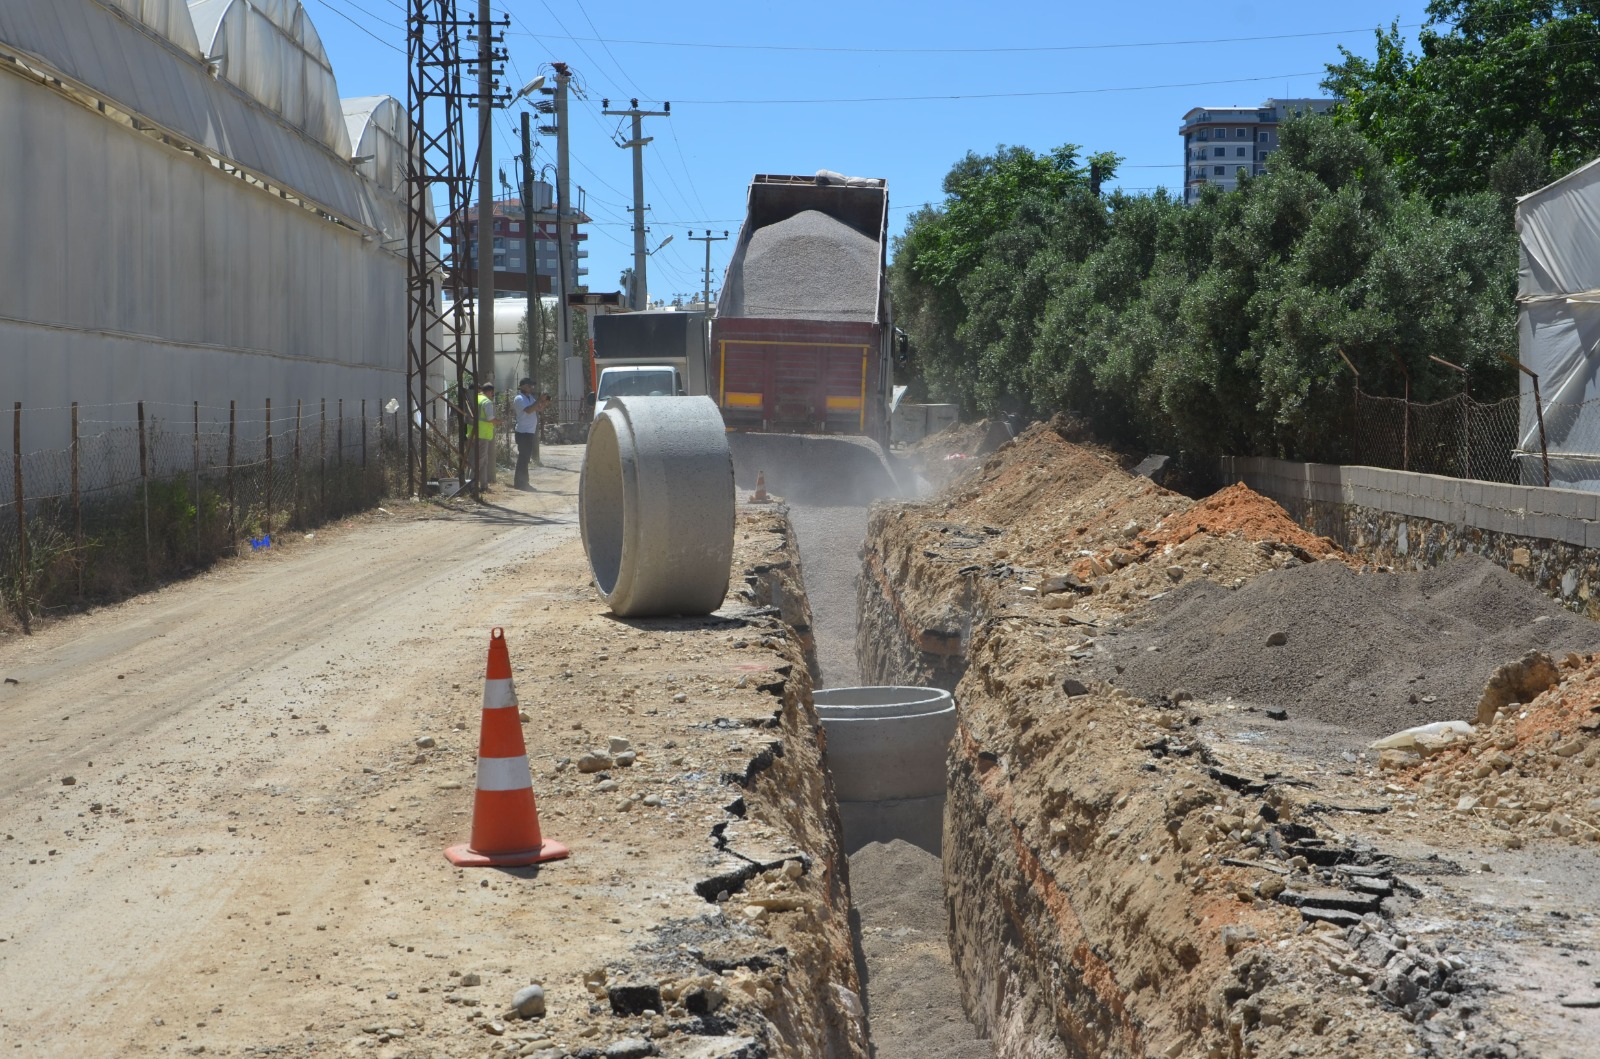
(521, 240)
(1220, 141)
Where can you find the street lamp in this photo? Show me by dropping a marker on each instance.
(529, 89)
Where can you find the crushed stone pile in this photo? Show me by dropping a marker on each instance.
(808, 267)
(1374, 652)
(1536, 768)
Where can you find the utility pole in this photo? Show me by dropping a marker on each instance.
(530, 260)
(483, 370)
(708, 239)
(641, 285)
(569, 379)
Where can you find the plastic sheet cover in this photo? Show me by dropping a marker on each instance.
(1558, 326)
(273, 109)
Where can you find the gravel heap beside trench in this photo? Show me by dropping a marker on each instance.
(1365, 651)
(809, 267)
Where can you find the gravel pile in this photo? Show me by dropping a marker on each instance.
(830, 560)
(809, 267)
(1372, 652)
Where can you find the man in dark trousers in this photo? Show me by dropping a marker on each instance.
(526, 406)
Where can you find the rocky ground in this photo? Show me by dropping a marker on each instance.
(1193, 870)
(223, 808)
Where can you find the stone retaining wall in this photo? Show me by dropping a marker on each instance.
(1549, 537)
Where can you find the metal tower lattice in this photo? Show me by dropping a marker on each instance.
(440, 342)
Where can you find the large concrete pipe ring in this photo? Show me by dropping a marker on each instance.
(656, 504)
(886, 751)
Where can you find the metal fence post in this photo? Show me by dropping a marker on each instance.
(322, 465)
(267, 525)
(22, 518)
(338, 438)
(1544, 444)
(196, 478)
(77, 494)
(1405, 430)
(294, 467)
(144, 482)
(233, 438)
(366, 476)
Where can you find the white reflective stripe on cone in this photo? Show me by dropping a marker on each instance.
(498, 694)
(504, 773)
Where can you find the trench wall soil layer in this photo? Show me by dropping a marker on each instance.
(1548, 537)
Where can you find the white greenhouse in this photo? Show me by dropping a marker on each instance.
(191, 214)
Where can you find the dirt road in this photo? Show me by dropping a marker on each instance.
(230, 739)
(218, 829)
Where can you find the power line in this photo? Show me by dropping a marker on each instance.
(968, 50)
(362, 28)
(1000, 95)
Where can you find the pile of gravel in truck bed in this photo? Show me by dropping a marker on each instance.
(1372, 652)
(809, 267)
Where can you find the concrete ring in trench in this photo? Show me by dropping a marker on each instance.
(886, 753)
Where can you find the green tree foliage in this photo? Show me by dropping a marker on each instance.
(1502, 94)
(1208, 329)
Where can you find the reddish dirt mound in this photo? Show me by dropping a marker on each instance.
(1536, 770)
(1242, 512)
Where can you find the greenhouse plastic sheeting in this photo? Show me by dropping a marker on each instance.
(377, 129)
(138, 272)
(270, 49)
(1558, 326)
(169, 18)
(146, 74)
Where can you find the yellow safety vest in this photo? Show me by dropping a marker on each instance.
(485, 424)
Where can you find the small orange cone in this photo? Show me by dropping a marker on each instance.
(760, 495)
(505, 820)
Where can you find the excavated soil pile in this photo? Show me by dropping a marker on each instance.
(1374, 652)
(1239, 511)
(1041, 513)
(944, 457)
(780, 280)
(913, 994)
(1537, 769)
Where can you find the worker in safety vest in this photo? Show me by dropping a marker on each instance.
(485, 439)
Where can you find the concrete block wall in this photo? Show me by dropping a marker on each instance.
(1549, 537)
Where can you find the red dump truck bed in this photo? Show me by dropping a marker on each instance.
(802, 339)
(798, 376)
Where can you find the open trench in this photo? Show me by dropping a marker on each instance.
(1164, 833)
(911, 991)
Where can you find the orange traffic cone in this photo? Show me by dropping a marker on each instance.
(505, 820)
(760, 495)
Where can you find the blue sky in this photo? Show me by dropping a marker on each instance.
(1088, 89)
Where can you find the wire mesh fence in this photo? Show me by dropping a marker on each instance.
(1457, 437)
(134, 499)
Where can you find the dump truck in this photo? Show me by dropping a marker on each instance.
(802, 343)
(655, 351)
